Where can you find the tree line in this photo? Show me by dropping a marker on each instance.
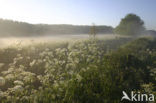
(14, 28)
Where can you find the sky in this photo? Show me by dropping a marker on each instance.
(78, 12)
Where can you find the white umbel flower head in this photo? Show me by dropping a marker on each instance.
(17, 82)
(18, 88)
(32, 63)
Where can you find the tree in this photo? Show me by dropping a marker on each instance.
(93, 30)
(130, 25)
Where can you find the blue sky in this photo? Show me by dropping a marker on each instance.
(78, 12)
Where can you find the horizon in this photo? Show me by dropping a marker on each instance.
(72, 12)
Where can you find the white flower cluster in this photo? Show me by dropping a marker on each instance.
(41, 68)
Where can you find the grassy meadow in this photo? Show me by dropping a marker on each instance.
(77, 71)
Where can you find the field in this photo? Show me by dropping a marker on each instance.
(23, 41)
(76, 70)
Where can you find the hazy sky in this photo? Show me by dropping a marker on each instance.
(82, 12)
